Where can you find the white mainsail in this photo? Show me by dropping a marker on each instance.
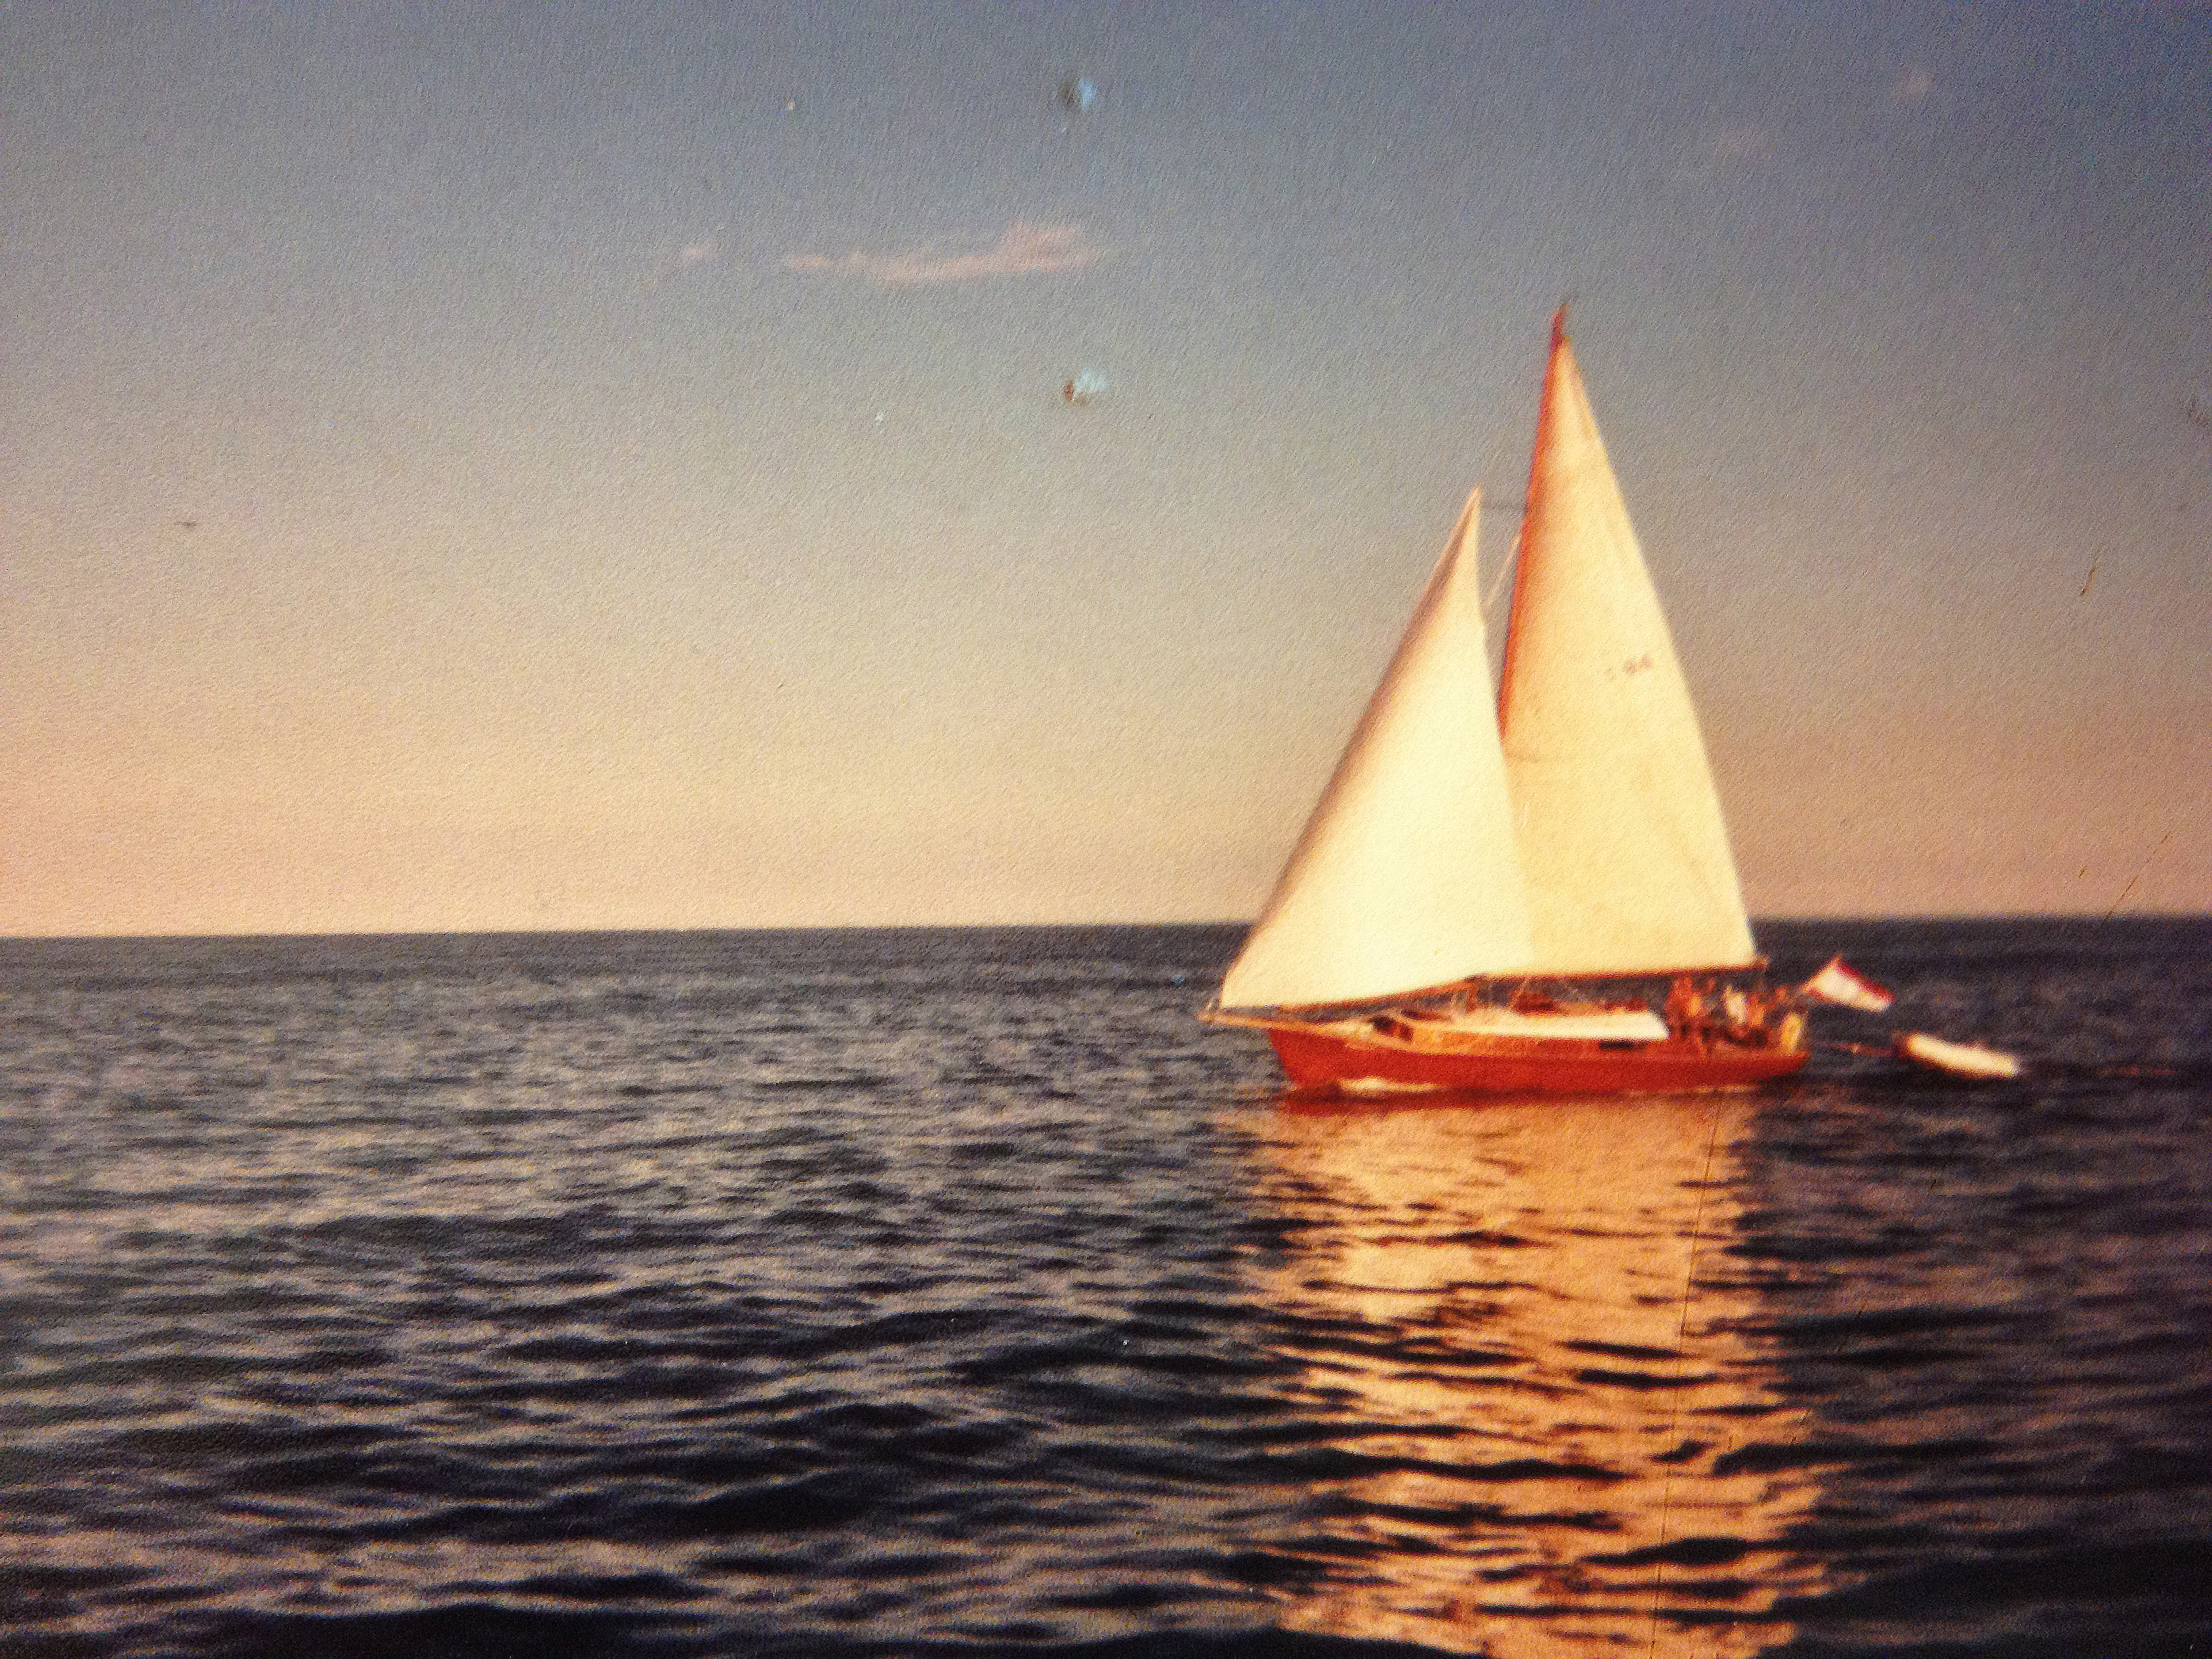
(1622, 845)
(1405, 878)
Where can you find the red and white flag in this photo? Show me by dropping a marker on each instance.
(1846, 987)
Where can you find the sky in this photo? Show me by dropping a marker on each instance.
(565, 466)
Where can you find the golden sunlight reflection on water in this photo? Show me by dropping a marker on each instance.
(1519, 1323)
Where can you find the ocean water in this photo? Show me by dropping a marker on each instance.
(956, 1292)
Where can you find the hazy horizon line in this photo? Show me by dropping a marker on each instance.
(1837, 918)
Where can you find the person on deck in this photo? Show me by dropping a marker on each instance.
(1685, 1009)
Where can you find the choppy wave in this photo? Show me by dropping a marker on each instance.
(956, 1292)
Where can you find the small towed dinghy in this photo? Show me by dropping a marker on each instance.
(1964, 1060)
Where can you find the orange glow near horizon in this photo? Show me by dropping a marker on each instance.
(435, 503)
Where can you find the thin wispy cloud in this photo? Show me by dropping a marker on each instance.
(1023, 249)
(672, 263)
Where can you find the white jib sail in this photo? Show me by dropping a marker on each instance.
(1405, 878)
(1622, 844)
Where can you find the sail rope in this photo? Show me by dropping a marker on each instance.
(1497, 586)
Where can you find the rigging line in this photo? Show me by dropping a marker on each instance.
(1674, 1422)
(1497, 586)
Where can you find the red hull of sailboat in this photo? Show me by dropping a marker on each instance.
(1316, 1059)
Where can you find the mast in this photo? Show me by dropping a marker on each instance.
(1405, 878)
(1622, 844)
(1513, 626)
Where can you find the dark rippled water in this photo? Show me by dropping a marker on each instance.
(895, 1293)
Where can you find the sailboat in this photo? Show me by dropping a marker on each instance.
(1493, 895)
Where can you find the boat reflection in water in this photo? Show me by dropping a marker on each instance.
(1523, 1387)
